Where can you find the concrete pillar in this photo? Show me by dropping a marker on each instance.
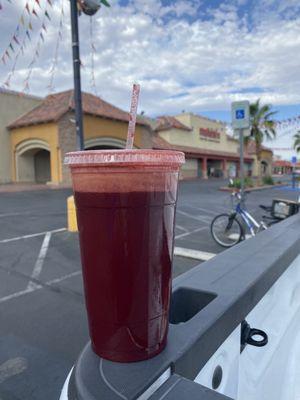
(204, 167)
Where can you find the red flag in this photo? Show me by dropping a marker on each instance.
(16, 39)
(34, 13)
(38, 2)
(27, 8)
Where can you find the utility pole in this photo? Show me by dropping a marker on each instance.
(76, 71)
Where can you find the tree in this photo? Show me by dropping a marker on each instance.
(262, 126)
(297, 142)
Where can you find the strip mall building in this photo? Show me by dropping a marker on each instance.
(35, 135)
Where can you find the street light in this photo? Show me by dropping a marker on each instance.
(89, 7)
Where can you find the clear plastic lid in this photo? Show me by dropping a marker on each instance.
(124, 158)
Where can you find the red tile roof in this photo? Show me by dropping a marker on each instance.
(53, 107)
(251, 147)
(167, 122)
(159, 143)
(282, 163)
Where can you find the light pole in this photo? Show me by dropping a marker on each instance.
(76, 73)
(89, 7)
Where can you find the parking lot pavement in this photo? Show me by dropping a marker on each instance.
(42, 312)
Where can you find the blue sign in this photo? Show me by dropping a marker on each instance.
(294, 160)
(240, 114)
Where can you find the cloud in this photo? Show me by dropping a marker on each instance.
(186, 54)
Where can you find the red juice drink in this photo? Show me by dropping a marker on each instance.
(125, 204)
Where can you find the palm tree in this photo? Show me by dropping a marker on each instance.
(262, 126)
(297, 142)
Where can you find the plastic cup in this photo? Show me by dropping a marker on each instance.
(125, 204)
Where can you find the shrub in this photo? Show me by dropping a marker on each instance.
(268, 180)
(237, 183)
(249, 182)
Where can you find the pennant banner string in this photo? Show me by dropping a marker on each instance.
(22, 23)
(93, 53)
(36, 51)
(59, 39)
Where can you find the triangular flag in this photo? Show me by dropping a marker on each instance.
(7, 54)
(16, 39)
(30, 26)
(49, 2)
(22, 20)
(3, 59)
(28, 35)
(44, 27)
(38, 2)
(34, 13)
(1, 6)
(22, 50)
(27, 8)
(11, 46)
(47, 15)
(42, 36)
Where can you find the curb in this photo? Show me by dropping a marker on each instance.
(252, 189)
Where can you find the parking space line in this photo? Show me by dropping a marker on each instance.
(191, 253)
(13, 214)
(40, 261)
(181, 235)
(37, 287)
(181, 228)
(208, 211)
(32, 235)
(196, 217)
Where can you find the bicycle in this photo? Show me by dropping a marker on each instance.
(226, 228)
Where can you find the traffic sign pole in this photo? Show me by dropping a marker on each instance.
(240, 112)
(242, 173)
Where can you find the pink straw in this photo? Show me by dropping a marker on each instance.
(132, 115)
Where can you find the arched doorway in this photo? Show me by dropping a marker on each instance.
(104, 143)
(42, 166)
(33, 162)
(265, 170)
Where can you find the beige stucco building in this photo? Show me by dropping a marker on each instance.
(34, 143)
(12, 105)
(40, 138)
(209, 150)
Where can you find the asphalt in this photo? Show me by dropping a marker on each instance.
(42, 312)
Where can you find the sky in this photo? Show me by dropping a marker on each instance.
(191, 55)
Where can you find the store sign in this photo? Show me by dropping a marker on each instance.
(209, 135)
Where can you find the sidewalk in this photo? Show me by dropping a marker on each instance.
(22, 187)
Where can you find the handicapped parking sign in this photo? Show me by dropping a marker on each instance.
(240, 115)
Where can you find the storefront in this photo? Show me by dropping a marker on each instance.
(209, 150)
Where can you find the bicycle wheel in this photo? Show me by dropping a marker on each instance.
(226, 230)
